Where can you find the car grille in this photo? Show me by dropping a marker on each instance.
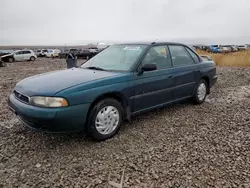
(21, 97)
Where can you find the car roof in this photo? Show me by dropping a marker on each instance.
(152, 43)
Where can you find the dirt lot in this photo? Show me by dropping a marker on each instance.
(183, 145)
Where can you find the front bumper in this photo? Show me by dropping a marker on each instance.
(214, 80)
(67, 119)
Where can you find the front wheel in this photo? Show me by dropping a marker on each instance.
(201, 92)
(11, 60)
(105, 119)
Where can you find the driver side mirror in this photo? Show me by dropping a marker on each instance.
(148, 67)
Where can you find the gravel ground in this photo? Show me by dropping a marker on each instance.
(183, 145)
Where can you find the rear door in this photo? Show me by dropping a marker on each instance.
(26, 55)
(154, 88)
(186, 70)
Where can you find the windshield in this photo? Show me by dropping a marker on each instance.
(116, 57)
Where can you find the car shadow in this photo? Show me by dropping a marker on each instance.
(149, 115)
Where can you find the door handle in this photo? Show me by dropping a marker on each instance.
(197, 71)
(170, 76)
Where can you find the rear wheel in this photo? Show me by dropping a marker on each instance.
(105, 119)
(11, 59)
(32, 58)
(201, 92)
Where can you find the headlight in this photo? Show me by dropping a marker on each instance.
(48, 101)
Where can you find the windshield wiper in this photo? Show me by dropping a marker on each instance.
(96, 68)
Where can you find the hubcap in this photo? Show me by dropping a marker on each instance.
(202, 91)
(107, 120)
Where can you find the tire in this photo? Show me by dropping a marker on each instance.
(32, 58)
(11, 60)
(201, 92)
(108, 121)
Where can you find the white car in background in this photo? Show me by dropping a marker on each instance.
(19, 55)
(242, 47)
(52, 53)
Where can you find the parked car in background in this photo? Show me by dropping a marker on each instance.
(214, 48)
(5, 52)
(41, 53)
(19, 55)
(201, 47)
(52, 53)
(122, 81)
(224, 49)
(87, 53)
(93, 50)
(233, 48)
(63, 54)
(242, 47)
(37, 52)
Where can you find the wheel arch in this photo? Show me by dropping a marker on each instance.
(117, 96)
(11, 57)
(32, 57)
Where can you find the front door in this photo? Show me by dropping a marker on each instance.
(186, 71)
(153, 88)
(18, 56)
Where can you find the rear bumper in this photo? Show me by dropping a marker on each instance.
(66, 119)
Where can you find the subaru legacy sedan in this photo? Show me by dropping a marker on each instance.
(121, 81)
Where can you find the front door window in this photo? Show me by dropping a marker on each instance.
(158, 55)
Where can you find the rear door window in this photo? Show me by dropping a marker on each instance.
(26, 52)
(180, 56)
(193, 55)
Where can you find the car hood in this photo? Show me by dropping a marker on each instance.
(48, 84)
(7, 55)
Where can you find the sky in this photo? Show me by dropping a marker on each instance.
(67, 22)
